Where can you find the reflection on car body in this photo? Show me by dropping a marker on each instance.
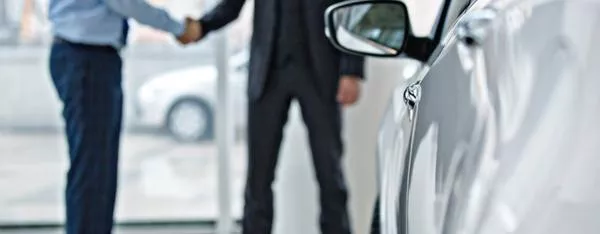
(503, 135)
(355, 42)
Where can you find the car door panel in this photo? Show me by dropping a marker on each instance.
(496, 120)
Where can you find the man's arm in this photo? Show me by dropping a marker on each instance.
(223, 14)
(351, 72)
(146, 14)
(352, 65)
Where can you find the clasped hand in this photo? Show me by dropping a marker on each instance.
(192, 33)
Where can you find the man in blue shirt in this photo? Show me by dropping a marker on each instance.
(85, 66)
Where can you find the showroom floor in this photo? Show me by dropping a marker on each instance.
(154, 230)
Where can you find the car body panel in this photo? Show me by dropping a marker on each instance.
(505, 139)
(498, 132)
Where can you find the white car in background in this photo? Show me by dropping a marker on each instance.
(183, 101)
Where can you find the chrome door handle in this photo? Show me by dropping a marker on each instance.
(412, 95)
(472, 29)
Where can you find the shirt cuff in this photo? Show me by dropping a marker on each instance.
(177, 28)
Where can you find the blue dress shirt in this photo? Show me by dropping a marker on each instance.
(104, 22)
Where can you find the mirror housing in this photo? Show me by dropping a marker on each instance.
(379, 28)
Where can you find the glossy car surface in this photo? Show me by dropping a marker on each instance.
(498, 133)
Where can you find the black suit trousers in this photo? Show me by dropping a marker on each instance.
(267, 117)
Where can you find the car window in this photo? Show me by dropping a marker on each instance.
(423, 15)
(457, 8)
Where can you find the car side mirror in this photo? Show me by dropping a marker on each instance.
(368, 27)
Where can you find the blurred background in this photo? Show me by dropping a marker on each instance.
(168, 165)
(169, 154)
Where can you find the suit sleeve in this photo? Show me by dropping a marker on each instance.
(352, 65)
(223, 14)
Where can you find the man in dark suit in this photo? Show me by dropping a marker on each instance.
(292, 59)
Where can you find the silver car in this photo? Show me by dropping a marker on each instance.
(498, 132)
(183, 101)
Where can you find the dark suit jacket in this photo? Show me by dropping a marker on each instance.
(329, 63)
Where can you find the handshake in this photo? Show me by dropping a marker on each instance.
(193, 32)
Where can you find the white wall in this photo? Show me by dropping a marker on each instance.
(296, 190)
